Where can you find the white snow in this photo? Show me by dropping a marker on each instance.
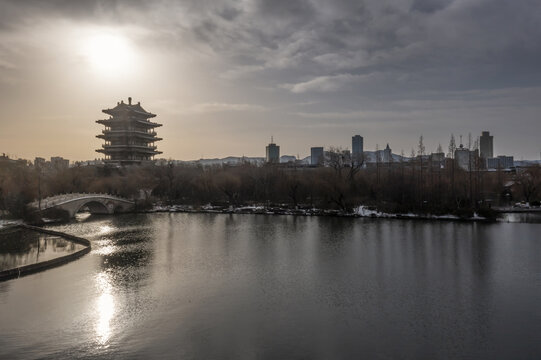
(9, 223)
(366, 212)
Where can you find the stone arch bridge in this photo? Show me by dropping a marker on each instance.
(96, 203)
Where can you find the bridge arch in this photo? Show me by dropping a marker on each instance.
(95, 207)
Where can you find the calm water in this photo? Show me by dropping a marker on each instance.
(20, 247)
(212, 286)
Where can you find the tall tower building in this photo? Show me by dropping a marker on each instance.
(272, 153)
(486, 145)
(317, 156)
(357, 145)
(387, 154)
(129, 134)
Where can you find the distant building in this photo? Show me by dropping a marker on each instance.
(501, 162)
(272, 153)
(317, 156)
(493, 163)
(94, 162)
(129, 134)
(39, 162)
(58, 162)
(387, 154)
(437, 160)
(462, 157)
(465, 158)
(5, 161)
(438, 156)
(506, 161)
(357, 145)
(486, 145)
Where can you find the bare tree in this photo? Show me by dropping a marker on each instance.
(421, 153)
(529, 181)
(338, 159)
(357, 162)
(452, 147)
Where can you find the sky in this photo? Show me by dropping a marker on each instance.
(225, 76)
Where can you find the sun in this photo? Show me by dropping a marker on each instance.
(110, 54)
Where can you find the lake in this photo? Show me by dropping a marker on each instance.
(218, 286)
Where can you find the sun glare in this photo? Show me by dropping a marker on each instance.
(110, 54)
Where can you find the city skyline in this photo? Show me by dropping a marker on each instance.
(311, 73)
(473, 143)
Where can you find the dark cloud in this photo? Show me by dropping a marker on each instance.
(291, 9)
(495, 39)
(229, 13)
(16, 13)
(430, 6)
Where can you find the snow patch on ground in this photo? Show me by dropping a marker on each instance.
(364, 211)
(359, 211)
(9, 223)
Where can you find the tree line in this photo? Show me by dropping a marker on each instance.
(418, 186)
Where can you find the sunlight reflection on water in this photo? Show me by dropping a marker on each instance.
(105, 307)
(105, 229)
(106, 250)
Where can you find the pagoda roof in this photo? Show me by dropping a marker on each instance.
(122, 107)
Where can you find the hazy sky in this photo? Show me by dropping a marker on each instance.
(223, 76)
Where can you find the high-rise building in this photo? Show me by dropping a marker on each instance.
(129, 134)
(357, 145)
(486, 145)
(272, 152)
(317, 156)
(387, 154)
(357, 150)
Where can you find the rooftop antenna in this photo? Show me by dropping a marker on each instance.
(272, 139)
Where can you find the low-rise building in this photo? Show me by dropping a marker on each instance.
(500, 162)
(59, 162)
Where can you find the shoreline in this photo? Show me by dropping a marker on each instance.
(359, 212)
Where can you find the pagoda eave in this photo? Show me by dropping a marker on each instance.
(113, 122)
(132, 149)
(141, 137)
(114, 112)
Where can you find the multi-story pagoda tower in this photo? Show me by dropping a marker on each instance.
(129, 135)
